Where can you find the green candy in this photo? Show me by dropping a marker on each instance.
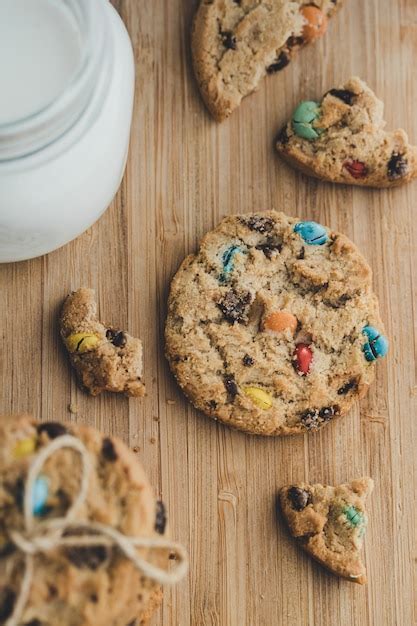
(354, 517)
(303, 117)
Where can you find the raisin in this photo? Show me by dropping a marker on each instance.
(52, 429)
(260, 224)
(282, 61)
(283, 136)
(345, 95)
(161, 517)
(229, 40)
(117, 337)
(231, 387)
(248, 361)
(234, 306)
(108, 451)
(397, 166)
(271, 245)
(299, 498)
(351, 385)
(7, 601)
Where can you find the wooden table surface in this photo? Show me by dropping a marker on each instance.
(185, 172)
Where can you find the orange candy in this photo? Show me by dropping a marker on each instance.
(278, 321)
(316, 24)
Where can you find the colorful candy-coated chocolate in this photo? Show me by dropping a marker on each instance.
(303, 117)
(24, 447)
(316, 23)
(40, 495)
(313, 234)
(82, 342)
(356, 169)
(303, 358)
(259, 397)
(376, 346)
(228, 258)
(278, 321)
(353, 516)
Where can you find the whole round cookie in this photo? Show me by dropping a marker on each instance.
(272, 326)
(65, 531)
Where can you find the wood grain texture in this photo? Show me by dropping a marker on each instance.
(185, 173)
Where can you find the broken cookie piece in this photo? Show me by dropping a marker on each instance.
(342, 139)
(236, 43)
(329, 523)
(104, 358)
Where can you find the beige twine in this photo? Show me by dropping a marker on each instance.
(41, 537)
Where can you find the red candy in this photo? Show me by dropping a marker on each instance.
(303, 358)
(356, 169)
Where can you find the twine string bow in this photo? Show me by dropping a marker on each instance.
(42, 537)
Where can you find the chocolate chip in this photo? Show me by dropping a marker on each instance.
(33, 622)
(229, 40)
(52, 429)
(283, 136)
(339, 303)
(294, 42)
(248, 361)
(117, 337)
(108, 450)
(213, 404)
(271, 245)
(231, 386)
(299, 498)
(7, 601)
(397, 166)
(314, 418)
(302, 254)
(234, 306)
(161, 517)
(282, 61)
(309, 419)
(351, 385)
(345, 95)
(86, 558)
(327, 413)
(260, 224)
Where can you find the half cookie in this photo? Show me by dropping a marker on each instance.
(104, 358)
(235, 43)
(329, 523)
(273, 327)
(342, 139)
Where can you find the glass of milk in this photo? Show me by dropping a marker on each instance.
(66, 99)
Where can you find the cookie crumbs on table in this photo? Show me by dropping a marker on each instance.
(104, 358)
(342, 139)
(273, 327)
(83, 540)
(329, 523)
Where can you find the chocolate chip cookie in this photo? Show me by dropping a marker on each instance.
(235, 43)
(75, 585)
(104, 358)
(329, 523)
(272, 326)
(342, 139)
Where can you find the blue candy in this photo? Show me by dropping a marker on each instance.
(314, 234)
(228, 260)
(40, 495)
(376, 346)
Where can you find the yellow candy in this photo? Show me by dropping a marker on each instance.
(82, 342)
(259, 397)
(25, 447)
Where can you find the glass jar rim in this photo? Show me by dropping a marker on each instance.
(32, 133)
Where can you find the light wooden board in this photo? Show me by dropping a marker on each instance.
(185, 173)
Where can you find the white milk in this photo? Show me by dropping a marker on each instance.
(40, 52)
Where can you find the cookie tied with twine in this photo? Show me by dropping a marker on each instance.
(46, 536)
